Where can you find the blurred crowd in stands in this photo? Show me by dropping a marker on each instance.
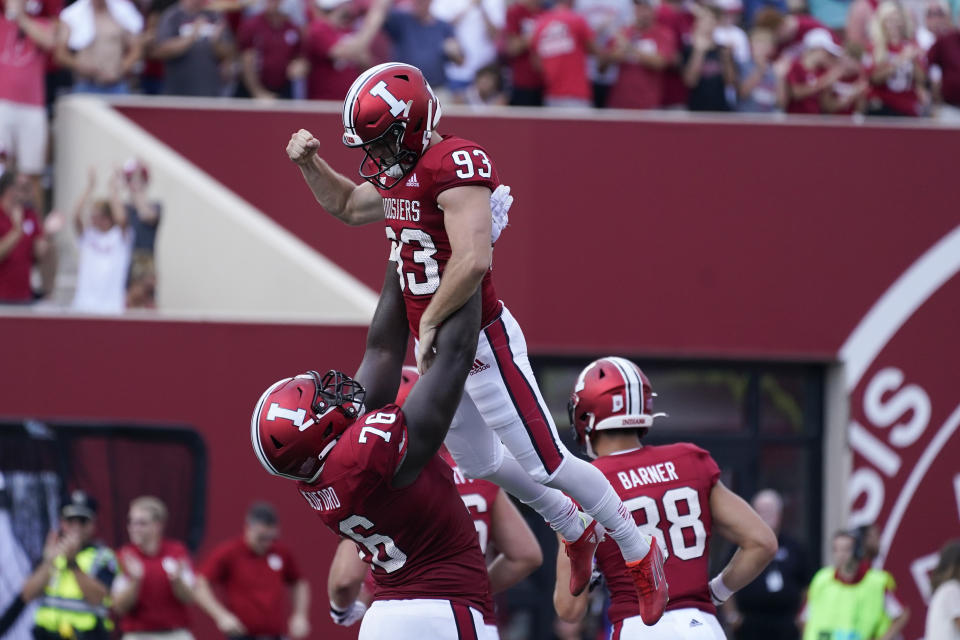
(873, 57)
(890, 57)
(251, 586)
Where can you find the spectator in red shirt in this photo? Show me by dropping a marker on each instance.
(152, 594)
(253, 573)
(945, 53)
(25, 38)
(895, 66)
(643, 50)
(22, 241)
(268, 43)
(848, 95)
(526, 88)
(335, 51)
(820, 65)
(562, 39)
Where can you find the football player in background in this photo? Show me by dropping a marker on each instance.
(434, 193)
(675, 495)
(514, 555)
(368, 473)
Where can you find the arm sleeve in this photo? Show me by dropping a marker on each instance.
(710, 468)
(291, 570)
(215, 568)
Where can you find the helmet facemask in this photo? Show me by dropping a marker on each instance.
(302, 435)
(386, 162)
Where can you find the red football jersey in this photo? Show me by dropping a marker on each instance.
(478, 497)
(419, 539)
(667, 489)
(418, 238)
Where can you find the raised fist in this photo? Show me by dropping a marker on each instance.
(302, 146)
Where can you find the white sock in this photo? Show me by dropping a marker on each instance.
(556, 509)
(587, 485)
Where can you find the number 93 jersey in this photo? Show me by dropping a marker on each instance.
(667, 489)
(415, 229)
(419, 539)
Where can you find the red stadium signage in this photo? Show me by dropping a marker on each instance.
(902, 363)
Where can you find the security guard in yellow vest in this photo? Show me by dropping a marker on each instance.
(73, 581)
(852, 601)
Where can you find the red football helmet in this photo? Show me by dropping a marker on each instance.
(408, 378)
(611, 393)
(390, 112)
(297, 421)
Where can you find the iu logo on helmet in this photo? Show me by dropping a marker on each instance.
(397, 107)
(296, 417)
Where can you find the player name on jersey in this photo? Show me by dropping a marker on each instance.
(324, 499)
(663, 472)
(401, 209)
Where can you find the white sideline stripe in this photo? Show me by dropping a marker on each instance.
(353, 293)
(913, 481)
(927, 274)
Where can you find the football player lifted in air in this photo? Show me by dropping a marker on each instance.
(434, 193)
(675, 495)
(367, 472)
(515, 552)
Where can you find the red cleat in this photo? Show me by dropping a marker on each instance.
(581, 557)
(651, 584)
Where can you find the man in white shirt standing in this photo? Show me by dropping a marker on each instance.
(105, 246)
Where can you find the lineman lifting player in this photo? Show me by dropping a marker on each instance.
(502, 430)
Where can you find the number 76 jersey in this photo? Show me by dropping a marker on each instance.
(419, 540)
(415, 227)
(667, 490)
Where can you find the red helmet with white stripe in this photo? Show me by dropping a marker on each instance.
(390, 112)
(611, 393)
(408, 378)
(297, 421)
